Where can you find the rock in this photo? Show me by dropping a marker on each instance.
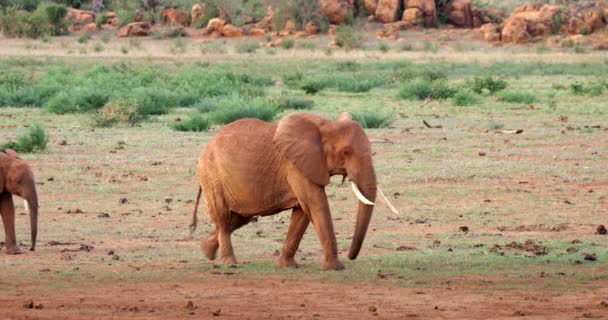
(90, 27)
(602, 44)
(586, 21)
(529, 22)
(490, 32)
(231, 31)
(288, 28)
(197, 14)
(111, 18)
(257, 32)
(370, 6)
(81, 17)
(311, 28)
(413, 16)
(331, 30)
(601, 229)
(135, 29)
(459, 13)
(173, 17)
(386, 10)
(336, 11)
(428, 9)
(266, 22)
(215, 24)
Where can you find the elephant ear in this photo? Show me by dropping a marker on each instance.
(298, 137)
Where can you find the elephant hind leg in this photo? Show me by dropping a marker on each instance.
(297, 227)
(210, 245)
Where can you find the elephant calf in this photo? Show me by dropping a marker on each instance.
(16, 178)
(255, 168)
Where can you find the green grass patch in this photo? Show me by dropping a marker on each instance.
(517, 97)
(421, 88)
(295, 103)
(234, 107)
(465, 97)
(373, 119)
(195, 122)
(35, 139)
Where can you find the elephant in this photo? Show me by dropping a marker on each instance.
(255, 168)
(16, 178)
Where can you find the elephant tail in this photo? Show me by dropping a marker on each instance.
(194, 217)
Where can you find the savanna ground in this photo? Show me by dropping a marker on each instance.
(116, 202)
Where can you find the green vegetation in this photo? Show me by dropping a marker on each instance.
(236, 107)
(295, 103)
(195, 123)
(421, 88)
(115, 112)
(517, 97)
(287, 43)
(465, 97)
(348, 37)
(35, 139)
(373, 119)
(488, 84)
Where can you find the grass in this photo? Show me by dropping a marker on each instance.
(236, 107)
(34, 140)
(373, 119)
(517, 97)
(195, 122)
(465, 97)
(421, 88)
(295, 103)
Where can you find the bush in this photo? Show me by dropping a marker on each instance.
(313, 86)
(372, 119)
(20, 24)
(348, 65)
(591, 88)
(465, 98)
(56, 16)
(347, 37)
(84, 38)
(35, 139)
(235, 107)
(423, 88)
(153, 101)
(81, 99)
(195, 123)
(292, 80)
(247, 46)
(287, 43)
(516, 97)
(295, 103)
(356, 85)
(119, 111)
(478, 85)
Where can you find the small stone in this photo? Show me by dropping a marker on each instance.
(464, 229)
(601, 229)
(216, 313)
(123, 200)
(29, 304)
(372, 309)
(590, 257)
(63, 142)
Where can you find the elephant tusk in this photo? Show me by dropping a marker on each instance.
(26, 205)
(388, 203)
(359, 194)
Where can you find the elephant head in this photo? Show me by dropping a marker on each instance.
(17, 178)
(320, 148)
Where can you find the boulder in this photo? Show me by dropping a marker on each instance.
(601, 44)
(90, 27)
(370, 6)
(459, 13)
(197, 14)
(427, 8)
(336, 11)
(215, 24)
(311, 28)
(257, 32)
(135, 29)
(111, 18)
(529, 22)
(173, 17)
(288, 28)
(231, 31)
(413, 16)
(483, 16)
(386, 10)
(81, 17)
(490, 32)
(586, 21)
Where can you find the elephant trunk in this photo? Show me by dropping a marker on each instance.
(32, 202)
(366, 182)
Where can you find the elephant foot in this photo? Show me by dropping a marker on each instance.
(228, 260)
(286, 262)
(13, 250)
(332, 265)
(209, 248)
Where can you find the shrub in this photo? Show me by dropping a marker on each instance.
(372, 119)
(591, 88)
(423, 88)
(35, 139)
(56, 16)
(478, 85)
(347, 37)
(348, 65)
(235, 107)
(465, 98)
(20, 23)
(205, 106)
(383, 47)
(115, 112)
(516, 97)
(84, 38)
(287, 43)
(356, 85)
(295, 103)
(313, 86)
(292, 80)
(195, 123)
(153, 101)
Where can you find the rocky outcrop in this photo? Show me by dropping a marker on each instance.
(370, 6)
(173, 17)
(387, 10)
(311, 28)
(197, 14)
(490, 32)
(530, 22)
(266, 22)
(459, 13)
(215, 24)
(336, 11)
(81, 17)
(585, 17)
(135, 29)
(421, 8)
(231, 31)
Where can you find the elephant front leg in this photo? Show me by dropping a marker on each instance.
(7, 210)
(297, 226)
